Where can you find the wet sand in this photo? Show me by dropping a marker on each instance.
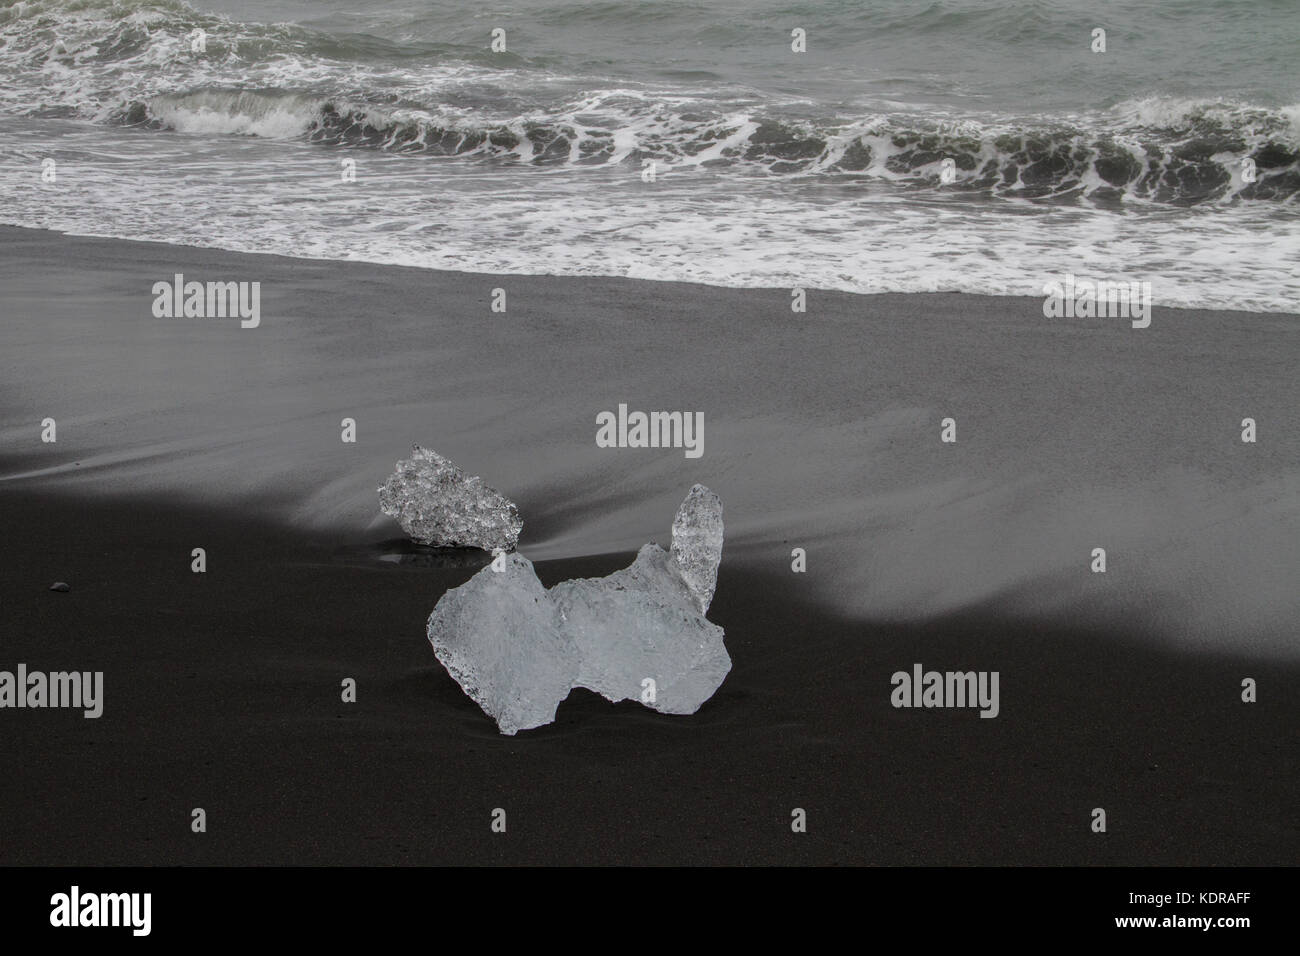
(822, 431)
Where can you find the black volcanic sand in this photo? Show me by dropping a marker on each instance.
(222, 691)
(1119, 691)
(822, 430)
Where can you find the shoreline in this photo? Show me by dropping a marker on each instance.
(682, 284)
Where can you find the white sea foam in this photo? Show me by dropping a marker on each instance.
(689, 227)
(752, 189)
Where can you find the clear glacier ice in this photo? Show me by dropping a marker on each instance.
(641, 624)
(637, 634)
(697, 543)
(438, 504)
(499, 636)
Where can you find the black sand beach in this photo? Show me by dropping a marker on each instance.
(1119, 691)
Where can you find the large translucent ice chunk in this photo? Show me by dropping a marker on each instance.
(697, 543)
(438, 504)
(640, 636)
(637, 634)
(499, 637)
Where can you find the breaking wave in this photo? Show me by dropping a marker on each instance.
(1192, 156)
(130, 63)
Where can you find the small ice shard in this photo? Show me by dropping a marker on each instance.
(499, 637)
(697, 543)
(637, 634)
(438, 504)
(639, 630)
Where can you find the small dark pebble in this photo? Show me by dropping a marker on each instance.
(60, 586)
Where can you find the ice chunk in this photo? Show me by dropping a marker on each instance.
(697, 543)
(438, 504)
(637, 634)
(640, 636)
(499, 637)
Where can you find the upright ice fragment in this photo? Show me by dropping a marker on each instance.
(697, 543)
(438, 504)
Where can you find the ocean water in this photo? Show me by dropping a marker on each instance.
(773, 168)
